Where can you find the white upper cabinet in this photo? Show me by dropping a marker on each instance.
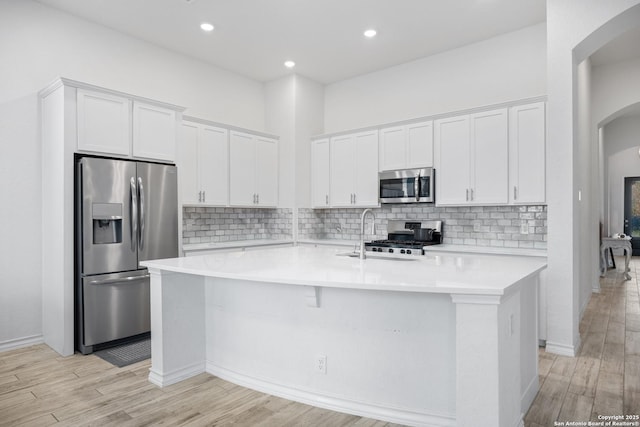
(527, 153)
(453, 160)
(104, 123)
(320, 169)
(490, 159)
(472, 159)
(253, 170)
(354, 170)
(204, 165)
(114, 124)
(154, 132)
(266, 171)
(408, 146)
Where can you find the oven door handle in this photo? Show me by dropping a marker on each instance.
(416, 187)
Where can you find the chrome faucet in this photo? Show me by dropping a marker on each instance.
(373, 230)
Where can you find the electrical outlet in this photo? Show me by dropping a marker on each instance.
(524, 227)
(321, 364)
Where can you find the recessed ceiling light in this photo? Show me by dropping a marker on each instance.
(289, 64)
(206, 27)
(370, 33)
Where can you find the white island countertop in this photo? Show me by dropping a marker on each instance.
(451, 273)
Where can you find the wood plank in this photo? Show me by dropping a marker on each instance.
(609, 395)
(632, 385)
(576, 407)
(585, 376)
(612, 358)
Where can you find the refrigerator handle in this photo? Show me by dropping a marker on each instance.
(141, 197)
(133, 222)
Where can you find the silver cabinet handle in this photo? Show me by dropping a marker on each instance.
(142, 213)
(472, 194)
(199, 196)
(515, 193)
(355, 198)
(467, 194)
(254, 198)
(204, 196)
(133, 221)
(258, 198)
(122, 279)
(326, 199)
(416, 187)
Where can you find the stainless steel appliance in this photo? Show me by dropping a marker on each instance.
(407, 186)
(407, 238)
(126, 212)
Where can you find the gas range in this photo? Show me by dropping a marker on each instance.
(407, 238)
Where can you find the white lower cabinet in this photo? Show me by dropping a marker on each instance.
(204, 165)
(253, 165)
(354, 170)
(527, 154)
(472, 159)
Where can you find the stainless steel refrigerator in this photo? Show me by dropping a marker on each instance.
(126, 212)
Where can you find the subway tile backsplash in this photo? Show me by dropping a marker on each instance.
(209, 225)
(495, 226)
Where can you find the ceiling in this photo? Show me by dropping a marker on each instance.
(324, 37)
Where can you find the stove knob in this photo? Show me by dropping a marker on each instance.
(402, 251)
(390, 250)
(409, 251)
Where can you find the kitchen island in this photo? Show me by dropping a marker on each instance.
(446, 339)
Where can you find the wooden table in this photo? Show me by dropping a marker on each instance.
(616, 243)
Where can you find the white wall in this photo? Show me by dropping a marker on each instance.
(621, 143)
(501, 69)
(615, 87)
(38, 44)
(20, 221)
(574, 31)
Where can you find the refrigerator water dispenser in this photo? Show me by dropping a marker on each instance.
(107, 223)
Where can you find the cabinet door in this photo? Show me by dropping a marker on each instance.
(393, 148)
(343, 164)
(366, 169)
(452, 160)
(104, 123)
(213, 165)
(188, 164)
(420, 145)
(267, 171)
(527, 153)
(154, 132)
(490, 160)
(320, 178)
(242, 169)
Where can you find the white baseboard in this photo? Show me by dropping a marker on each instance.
(530, 394)
(165, 379)
(21, 342)
(394, 415)
(562, 349)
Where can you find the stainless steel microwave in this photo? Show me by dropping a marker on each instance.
(407, 186)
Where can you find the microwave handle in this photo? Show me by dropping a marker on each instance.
(416, 187)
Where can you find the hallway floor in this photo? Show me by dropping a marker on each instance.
(604, 379)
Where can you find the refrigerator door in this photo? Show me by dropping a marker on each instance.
(115, 306)
(109, 209)
(158, 211)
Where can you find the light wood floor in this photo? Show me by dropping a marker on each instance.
(605, 377)
(39, 388)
